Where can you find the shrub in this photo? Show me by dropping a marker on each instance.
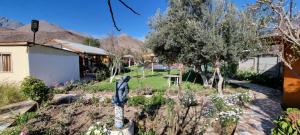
(24, 118)
(244, 98)
(158, 99)
(188, 99)
(35, 89)
(137, 100)
(97, 129)
(101, 75)
(288, 123)
(152, 104)
(10, 93)
(245, 75)
(150, 132)
(219, 103)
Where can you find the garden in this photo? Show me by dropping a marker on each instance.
(153, 106)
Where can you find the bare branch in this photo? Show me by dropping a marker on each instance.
(112, 15)
(129, 7)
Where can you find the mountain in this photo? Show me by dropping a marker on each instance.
(44, 26)
(123, 41)
(47, 32)
(6, 23)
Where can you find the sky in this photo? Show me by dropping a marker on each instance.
(90, 17)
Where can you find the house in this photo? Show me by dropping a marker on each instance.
(52, 65)
(291, 77)
(91, 59)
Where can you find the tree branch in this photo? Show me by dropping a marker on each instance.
(112, 15)
(129, 7)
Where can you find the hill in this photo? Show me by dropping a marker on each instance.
(125, 42)
(6, 23)
(47, 32)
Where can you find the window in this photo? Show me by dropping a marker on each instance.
(5, 62)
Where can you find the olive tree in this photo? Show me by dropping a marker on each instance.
(198, 32)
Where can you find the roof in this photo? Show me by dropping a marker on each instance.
(77, 47)
(25, 43)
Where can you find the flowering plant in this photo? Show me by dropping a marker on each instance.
(98, 129)
(188, 99)
(229, 117)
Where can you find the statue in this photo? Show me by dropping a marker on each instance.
(119, 99)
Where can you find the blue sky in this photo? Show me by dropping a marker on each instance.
(89, 16)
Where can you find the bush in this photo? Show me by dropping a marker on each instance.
(101, 75)
(188, 99)
(24, 118)
(137, 100)
(245, 75)
(288, 123)
(10, 93)
(152, 104)
(35, 89)
(219, 103)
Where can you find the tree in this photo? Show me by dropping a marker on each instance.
(195, 33)
(274, 17)
(116, 54)
(92, 42)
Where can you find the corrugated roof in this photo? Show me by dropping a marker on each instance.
(77, 47)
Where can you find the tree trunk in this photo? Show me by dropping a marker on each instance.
(220, 82)
(211, 80)
(204, 79)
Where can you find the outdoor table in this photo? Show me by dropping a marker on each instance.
(176, 82)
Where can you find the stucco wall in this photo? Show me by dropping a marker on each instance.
(52, 65)
(20, 65)
(264, 64)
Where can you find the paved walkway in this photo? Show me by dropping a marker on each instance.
(258, 116)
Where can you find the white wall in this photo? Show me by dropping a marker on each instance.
(53, 65)
(20, 68)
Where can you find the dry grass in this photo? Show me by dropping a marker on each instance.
(10, 93)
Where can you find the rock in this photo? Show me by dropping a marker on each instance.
(64, 98)
(126, 131)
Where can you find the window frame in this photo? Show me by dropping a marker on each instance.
(1, 64)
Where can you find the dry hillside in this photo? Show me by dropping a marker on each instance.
(46, 33)
(125, 42)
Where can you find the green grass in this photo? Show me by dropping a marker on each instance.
(156, 81)
(10, 93)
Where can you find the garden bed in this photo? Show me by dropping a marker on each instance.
(171, 112)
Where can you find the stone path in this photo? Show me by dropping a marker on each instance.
(8, 113)
(258, 116)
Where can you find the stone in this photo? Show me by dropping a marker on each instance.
(9, 113)
(64, 98)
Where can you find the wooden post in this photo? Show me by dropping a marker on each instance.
(152, 67)
(129, 62)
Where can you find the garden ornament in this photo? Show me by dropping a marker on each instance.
(119, 99)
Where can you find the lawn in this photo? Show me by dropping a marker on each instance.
(155, 81)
